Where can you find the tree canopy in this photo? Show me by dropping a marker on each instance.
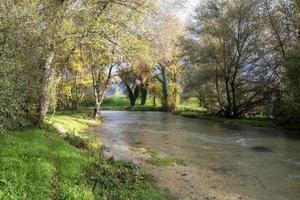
(237, 57)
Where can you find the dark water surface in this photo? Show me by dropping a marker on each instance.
(258, 163)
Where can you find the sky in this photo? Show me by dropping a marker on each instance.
(186, 13)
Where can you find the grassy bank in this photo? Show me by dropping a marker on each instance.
(123, 103)
(257, 122)
(41, 164)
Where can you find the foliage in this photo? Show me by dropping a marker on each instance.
(45, 52)
(236, 54)
(289, 111)
(169, 68)
(293, 74)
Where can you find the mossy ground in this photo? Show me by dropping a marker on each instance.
(41, 164)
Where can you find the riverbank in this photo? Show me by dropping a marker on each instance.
(43, 164)
(256, 122)
(186, 109)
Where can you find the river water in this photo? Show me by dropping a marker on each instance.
(222, 161)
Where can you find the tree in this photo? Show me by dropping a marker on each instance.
(231, 42)
(165, 38)
(75, 80)
(126, 37)
(37, 38)
(25, 48)
(155, 90)
(288, 112)
(102, 73)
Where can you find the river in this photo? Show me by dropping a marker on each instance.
(221, 161)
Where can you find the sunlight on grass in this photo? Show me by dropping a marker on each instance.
(29, 161)
(72, 123)
(123, 103)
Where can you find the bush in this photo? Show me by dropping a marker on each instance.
(88, 100)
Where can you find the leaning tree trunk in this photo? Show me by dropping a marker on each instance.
(98, 101)
(100, 90)
(47, 81)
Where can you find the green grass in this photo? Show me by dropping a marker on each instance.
(72, 122)
(123, 103)
(41, 164)
(35, 164)
(190, 104)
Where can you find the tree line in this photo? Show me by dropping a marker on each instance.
(54, 53)
(237, 57)
(244, 58)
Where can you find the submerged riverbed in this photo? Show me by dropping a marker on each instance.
(221, 162)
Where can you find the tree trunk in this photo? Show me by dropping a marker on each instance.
(234, 104)
(229, 106)
(75, 96)
(96, 110)
(100, 89)
(47, 81)
(96, 92)
(144, 96)
(164, 90)
(97, 103)
(132, 95)
(154, 100)
(218, 92)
